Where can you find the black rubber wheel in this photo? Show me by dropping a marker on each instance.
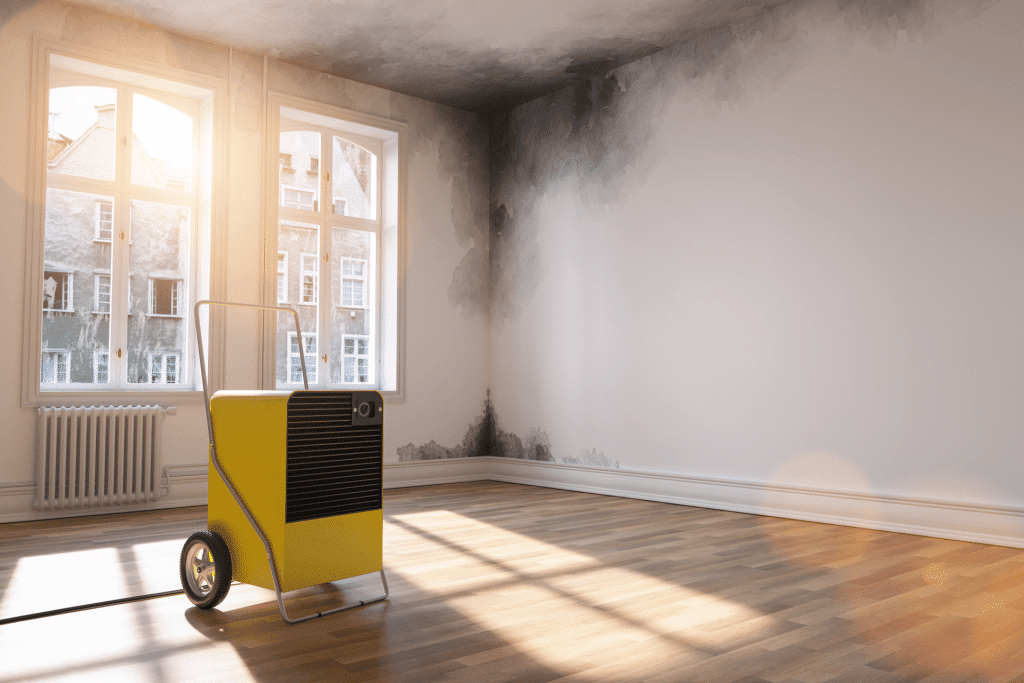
(205, 569)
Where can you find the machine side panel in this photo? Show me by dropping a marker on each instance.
(250, 439)
(332, 548)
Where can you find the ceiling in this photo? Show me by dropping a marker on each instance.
(478, 55)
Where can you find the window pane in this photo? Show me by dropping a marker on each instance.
(162, 145)
(81, 137)
(299, 247)
(352, 325)
(353, 180)
(76, 294)
(158, 260)
(299, 173)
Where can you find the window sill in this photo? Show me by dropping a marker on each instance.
(163, 315)
(72, 397)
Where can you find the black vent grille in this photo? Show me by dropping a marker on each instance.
(333, 467)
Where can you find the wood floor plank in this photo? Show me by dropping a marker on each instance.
(497, 583)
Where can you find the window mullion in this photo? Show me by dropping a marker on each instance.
(325, 304)
(120, 295)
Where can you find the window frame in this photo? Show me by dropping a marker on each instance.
(163, 367)
(64, 354)
(364, 304)
(293, 188)
(96, 353)
(282, 271)
(386, 298)
(356, 338)
(96, 301)
(69, 297)
(293, 359)
(165, 83)
(98, 236)
(176, 288)
(304, 257)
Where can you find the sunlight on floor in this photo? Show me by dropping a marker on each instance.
(50, 581)
(36, 582)
(510, 583)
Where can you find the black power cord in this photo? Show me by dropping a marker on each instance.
(91, 605)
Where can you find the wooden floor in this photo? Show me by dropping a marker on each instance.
(496, 582)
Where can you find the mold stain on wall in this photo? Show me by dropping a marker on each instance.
(457, 136)
(595, 135)
(485, 438)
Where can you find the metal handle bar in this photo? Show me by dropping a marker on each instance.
(213, 446)
(231, 487)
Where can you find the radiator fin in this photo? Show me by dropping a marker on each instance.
(333, 467)
(97, 455)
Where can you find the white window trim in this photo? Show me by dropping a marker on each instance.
(96, 293)
(163, 368)
(357, 356)
(96, 354)
(351, 278)
(303, 272)
(63, 355)
(70, 303)
(285, 188)
(97, 237)
(282, 269)
(211, 224)
(293, 359)
(176, 298)
(389, 274)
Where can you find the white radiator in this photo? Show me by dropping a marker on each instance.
(104, 455)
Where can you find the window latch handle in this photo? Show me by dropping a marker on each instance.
(327, 258)
(119, 353)
(325, 357)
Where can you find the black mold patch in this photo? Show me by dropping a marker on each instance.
(484, 438)
(536, 446)
(479, 440)
(460, 138)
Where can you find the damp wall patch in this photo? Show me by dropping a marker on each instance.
(485, 438)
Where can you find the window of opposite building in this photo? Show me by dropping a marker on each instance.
(340, 221)
(127, 181)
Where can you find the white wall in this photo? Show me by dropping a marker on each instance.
(447, 188)
(789, 253)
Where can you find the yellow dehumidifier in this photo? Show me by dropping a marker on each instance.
(296, 476)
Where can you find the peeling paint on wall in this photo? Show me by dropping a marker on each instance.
(592, 458)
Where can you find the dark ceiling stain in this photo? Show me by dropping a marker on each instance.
(11, 8)
(480, 56)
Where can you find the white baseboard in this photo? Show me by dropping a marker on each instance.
(956, 520)
(186, 487)
(428, 472)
